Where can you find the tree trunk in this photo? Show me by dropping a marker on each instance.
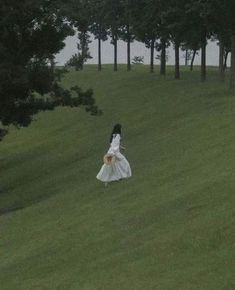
(193, 58)
(83, 44)
(152, 55)
(128, 49)
(99, 54)
(203, 59)
(177, 60)
(221, 61)
(115, 53)
(163, 58)
(232, 69)
(52, 62)
(225, 60)
(186, 57)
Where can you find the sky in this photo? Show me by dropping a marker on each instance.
(137, 49)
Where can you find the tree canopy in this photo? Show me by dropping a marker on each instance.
(31, 33)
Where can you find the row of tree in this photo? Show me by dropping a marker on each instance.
(188, 24)
(32, 32)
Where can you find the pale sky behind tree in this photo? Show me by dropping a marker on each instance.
(137, 49)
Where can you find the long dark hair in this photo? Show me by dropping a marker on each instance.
(116, 130)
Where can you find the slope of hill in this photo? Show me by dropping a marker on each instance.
(171, 226)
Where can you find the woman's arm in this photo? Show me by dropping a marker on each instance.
(122, 147)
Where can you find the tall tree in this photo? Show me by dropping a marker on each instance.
(223, 26)
(176, 22)
(199, 29)
(113, 19)
(215, 16)
(127, 28)
(31, 33)
(146, 24)
(79, 13)
(163, 34)
(224, 50)
(192, 32)
(98, 25)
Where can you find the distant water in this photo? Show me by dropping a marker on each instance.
(137, 49)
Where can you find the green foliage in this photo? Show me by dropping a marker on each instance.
(98, 25)
(79, 13)
(83, 46)
(114, 17)
(127, 27)
(76, 61)
(30, 35)
(138, 60)
(146, 21)
(86, 99)
(3, 133)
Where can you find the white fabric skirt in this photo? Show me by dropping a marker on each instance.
(118, 170)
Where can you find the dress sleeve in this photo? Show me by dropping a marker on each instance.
(114, 147)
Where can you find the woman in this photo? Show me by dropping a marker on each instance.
(116, 166)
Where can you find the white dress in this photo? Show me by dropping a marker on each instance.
(120, 168)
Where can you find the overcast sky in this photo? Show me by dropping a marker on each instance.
(137, 49)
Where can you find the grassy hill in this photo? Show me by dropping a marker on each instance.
(169, 227)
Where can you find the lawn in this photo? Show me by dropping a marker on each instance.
(169, 227)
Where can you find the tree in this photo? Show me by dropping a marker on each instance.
(159, 57)
(98, 26)
(192, 39)
(164, 34)
(146, 24)
(162, 48)
(31, 33)
(198, 18)
(227, 8)
(175, 19)
(224, 49)
(222, 17)
(76, 61)
(83, 47)
(126, 33)
(113, 19)
(79, 14)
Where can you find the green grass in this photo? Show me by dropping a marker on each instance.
(169, 227)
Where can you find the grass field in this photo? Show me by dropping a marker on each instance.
(169, 227)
